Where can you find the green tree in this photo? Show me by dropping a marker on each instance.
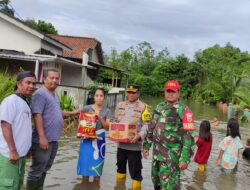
(181, 69)
(222, 70)
(144, 60)
(42, 26)
(5, 7)
(215, 73)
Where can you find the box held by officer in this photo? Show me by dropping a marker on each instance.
(122, 132)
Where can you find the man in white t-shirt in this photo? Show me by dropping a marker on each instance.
(16, 132)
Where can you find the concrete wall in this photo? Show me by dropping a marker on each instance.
(71, 76)
(94, 56)
(78, 94)
(86, 79)
(55, 65)
(15, 38)
(113, 99)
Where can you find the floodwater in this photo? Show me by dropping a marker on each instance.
(62, 175)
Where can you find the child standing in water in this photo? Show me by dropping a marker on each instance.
(204, 144)
(229, 147)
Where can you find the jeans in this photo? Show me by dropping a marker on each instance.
(42, 160)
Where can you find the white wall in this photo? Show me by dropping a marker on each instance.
(15, 38)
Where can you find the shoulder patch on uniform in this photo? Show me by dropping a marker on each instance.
(146, 115)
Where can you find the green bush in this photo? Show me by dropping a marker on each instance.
(148, 85)
(66, 103)
(7, 85)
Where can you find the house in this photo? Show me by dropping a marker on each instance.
(88, 51)
(25, 47)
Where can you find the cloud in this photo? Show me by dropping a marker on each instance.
(183, 26)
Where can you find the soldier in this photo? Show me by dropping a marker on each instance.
(172, 147)
(131, 111)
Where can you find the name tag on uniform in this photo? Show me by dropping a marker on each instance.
(163, 120)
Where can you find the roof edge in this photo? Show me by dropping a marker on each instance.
(70, 36)
(21, 24)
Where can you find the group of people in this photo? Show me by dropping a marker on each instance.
(229, 147)
(172, 144)
(233, 109)
(17, 140)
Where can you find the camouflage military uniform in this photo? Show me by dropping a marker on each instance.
(171, 145)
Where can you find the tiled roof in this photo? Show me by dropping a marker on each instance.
(77, 44)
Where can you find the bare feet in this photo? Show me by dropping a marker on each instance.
(97, 178)
(85, 178)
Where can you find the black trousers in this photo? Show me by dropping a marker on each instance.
(134, 159)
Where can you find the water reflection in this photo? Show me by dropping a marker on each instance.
(86, 185)
(120, 185)
(199, 178)
(226, 181)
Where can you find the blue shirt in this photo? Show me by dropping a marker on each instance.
(46, 104)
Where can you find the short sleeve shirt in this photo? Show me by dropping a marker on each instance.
(131, 113)
(46, 104)
(204, 149)
(16, 112)
(231, 147)
(105, 113)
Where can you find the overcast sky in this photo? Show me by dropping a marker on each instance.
(182, 26)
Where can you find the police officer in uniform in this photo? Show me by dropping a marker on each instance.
(132, 111)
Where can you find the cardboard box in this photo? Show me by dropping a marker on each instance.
(122, 132)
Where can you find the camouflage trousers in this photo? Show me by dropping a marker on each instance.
(165, 175)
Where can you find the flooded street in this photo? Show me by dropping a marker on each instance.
(63, 176)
